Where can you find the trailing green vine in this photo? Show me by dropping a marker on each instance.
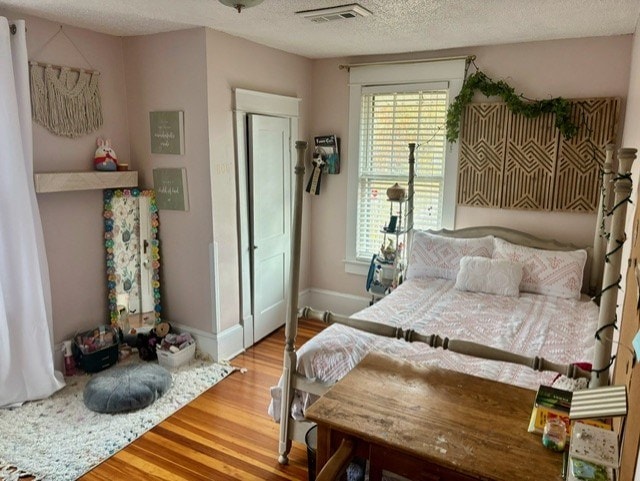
(516, 103)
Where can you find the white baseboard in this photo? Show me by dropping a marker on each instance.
(222, 346)
(229, 343)
(336, 302)
(304, 298)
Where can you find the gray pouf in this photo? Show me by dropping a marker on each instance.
(126, 388)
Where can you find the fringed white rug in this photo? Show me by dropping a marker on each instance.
(59, 439)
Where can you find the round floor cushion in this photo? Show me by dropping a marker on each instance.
(126, 388)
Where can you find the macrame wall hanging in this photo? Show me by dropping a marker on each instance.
(65, 100)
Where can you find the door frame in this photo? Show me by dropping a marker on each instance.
(263, 103)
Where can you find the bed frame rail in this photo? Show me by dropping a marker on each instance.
(467, 348)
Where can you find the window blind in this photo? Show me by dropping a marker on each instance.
(391, 117)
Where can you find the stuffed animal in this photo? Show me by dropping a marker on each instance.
(105, 158)
(147, 343)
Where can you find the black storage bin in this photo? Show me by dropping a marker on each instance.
(311, 440)
(96, 349)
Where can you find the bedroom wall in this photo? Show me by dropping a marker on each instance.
(168, 72)
(195, 71)
(192, 70)
(589, 67)
(233, 63)
(72, 221)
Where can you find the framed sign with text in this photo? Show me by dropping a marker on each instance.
(171, 189)
(167, 132)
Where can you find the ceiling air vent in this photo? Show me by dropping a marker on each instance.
(341, 12)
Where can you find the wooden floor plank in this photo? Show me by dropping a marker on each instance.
(224, 434)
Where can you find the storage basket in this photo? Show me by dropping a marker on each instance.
(173, 360)
(96, 349)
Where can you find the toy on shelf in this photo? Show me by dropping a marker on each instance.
(105, 158)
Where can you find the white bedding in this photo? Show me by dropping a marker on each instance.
(560, 330)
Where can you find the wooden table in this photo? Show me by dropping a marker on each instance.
(432, 424)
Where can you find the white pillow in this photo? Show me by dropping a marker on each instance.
(553, 273)
(493, 276)
(438, 256)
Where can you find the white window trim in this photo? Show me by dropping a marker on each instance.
(451, 71)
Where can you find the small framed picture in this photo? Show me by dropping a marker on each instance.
(167, 132)
(171, 189)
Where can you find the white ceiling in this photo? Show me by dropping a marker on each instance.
(395, 26)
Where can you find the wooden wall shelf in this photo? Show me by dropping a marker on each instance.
(70, 181)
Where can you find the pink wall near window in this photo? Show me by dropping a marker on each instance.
(588, 67)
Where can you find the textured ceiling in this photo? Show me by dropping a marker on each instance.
(395, 26)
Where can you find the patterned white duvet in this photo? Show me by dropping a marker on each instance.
(560, 330)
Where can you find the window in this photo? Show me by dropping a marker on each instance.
(390, 119)
(390, 106)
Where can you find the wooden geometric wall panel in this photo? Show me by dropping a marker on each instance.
(512, 162)
(530, 163)
(482, 152)
(580, 158)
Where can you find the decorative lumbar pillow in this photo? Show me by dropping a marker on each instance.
(548, 272)
(439, 256)
(492, 276)
(126, 388)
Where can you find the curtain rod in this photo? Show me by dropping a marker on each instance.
(60, 67)
(468, 58)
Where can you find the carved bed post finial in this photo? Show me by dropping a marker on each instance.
(291, 328)
(613, 260)
(599, 242)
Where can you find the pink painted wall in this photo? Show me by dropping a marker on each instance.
(72, 222)
(191, 70)
(168, 72)
(236, 63)
(195, 71)
(589, 67)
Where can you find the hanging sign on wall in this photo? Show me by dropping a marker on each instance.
(167, 132)
(171, 189)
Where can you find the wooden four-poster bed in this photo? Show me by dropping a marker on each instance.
(511, 333)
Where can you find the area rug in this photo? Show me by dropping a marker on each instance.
(59, 439)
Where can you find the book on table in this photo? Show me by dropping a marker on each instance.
(601, 402)
(593, 453)
(550, 403)
(579, 470)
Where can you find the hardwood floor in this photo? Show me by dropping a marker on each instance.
(225, 434)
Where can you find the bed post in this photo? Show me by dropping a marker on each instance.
(411, 190)
(291, 328)
(613, 260)
(599, 243)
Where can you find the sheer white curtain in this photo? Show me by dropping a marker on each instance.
(26, 349)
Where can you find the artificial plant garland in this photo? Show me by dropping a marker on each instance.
(518, 104)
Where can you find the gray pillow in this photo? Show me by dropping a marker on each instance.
(126, 388)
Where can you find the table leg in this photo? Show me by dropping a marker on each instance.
(375, 468)
(323, 448)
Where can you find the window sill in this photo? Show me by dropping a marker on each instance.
(352, 266)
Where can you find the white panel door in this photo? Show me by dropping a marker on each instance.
(270, 190)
